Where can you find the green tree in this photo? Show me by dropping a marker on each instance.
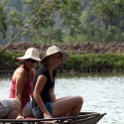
(3, 26)
(45, 12)
(41, 17)
(111, 13)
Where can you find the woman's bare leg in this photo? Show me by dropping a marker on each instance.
(16, 108)
(67, 106)
(68, 113)
(63, 98)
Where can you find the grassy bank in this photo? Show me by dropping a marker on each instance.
(96, 62)
(81, 63)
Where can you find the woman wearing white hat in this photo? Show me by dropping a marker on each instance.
(21, 83)
(45, 104)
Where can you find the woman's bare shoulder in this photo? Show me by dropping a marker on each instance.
(20, 72)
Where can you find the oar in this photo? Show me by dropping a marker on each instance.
(50, 119)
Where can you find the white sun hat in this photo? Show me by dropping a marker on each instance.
(31, 53)
(52, 50)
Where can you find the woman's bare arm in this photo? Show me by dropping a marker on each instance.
(36, 94)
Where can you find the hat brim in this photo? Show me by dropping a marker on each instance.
(23, 58)
(65, 57)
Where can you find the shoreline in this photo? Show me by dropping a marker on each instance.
(76, 48)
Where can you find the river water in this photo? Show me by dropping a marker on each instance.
(103, 93)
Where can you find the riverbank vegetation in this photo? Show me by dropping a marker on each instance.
(110, 62)
(64, 22)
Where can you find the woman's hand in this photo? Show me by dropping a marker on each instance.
(20, 117)
(47, 115)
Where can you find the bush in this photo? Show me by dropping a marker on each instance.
(76, 62)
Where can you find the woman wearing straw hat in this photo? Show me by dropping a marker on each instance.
(21, 83)
(45, 105)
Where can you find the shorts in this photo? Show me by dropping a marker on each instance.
(38, 113)
(6, 108)
(27, 110)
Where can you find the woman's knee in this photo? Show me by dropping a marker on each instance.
(16, 103)
(79, 99)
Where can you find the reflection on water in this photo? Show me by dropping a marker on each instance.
(102, 93)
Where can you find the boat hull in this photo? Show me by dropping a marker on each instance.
(82, 118)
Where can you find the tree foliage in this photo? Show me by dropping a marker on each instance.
(111, 11)
(62, 20)
(45, 12)
(3, 26)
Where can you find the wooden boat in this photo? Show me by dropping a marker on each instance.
(82, 118)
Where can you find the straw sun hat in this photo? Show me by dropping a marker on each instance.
(31, 53)
(52, 50)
